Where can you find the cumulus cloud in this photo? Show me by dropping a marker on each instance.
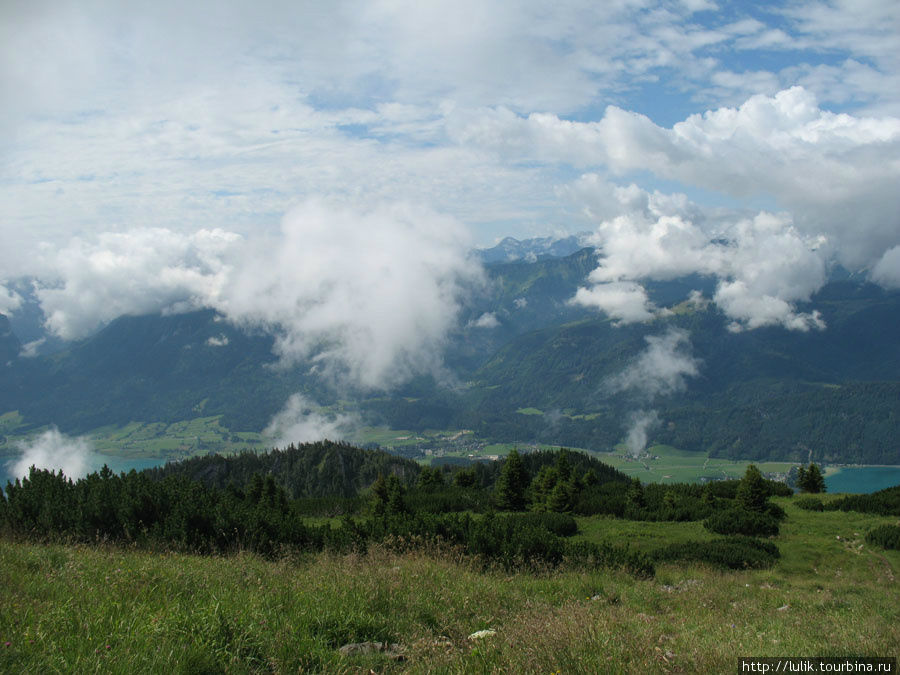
(623, 301)
(887, 271)
(300, 421)
(9, 300)
(835, 173)
(486, 320)
(54, 451)
(369, 293)
(217, 341)
(135, 272)
(660, 370)
(764, 264)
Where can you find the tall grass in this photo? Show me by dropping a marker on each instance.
(76, 609)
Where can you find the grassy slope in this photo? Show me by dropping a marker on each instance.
(110, 610)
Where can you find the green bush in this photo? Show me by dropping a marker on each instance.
(810, 504)
(736, 520)
(886, 536)
(736, 552)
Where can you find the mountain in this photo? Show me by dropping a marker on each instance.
(530, 250)
(828, 395)
(9, 343)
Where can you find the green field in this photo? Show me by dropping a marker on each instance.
(104, 609)
(140, 440)
(665, 464)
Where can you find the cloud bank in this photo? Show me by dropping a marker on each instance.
(301, 422)
(365, 294)
(660, 370)
(54, 451)
(369, 294)
(89, 282)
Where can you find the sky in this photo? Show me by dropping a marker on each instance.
(322, 169)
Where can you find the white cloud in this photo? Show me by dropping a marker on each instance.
(301, 421)
(136, 272)
(624, 301)
(836, 174)
(763, 264)
(217, 341)
(10, 301)
(30, 349)
(660, 370)
(887, 270)
(54, 451)
(486, 320)
(369, 292)
(640, 424)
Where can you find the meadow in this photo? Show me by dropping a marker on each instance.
(101, 608)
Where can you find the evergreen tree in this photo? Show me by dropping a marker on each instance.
(395, 502)
(512, 484)
(635, 494)
(379, 499)
(752, 493)
(465, 478)
(811, 479)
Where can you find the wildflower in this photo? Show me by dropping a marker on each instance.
(7, 644)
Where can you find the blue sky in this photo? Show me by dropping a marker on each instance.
(150, 155)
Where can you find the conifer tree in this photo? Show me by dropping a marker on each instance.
(752, 493)
(512, 483)
(811, 479)
(635, 494)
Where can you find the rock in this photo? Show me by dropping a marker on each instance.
(392, 651)
(481, 634)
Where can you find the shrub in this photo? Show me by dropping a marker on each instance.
(810, 504)
(736, 520)
(736, 552)
(886, 536)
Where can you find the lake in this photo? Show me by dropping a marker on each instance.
(863, 479)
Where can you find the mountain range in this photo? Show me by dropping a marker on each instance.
(539, 369)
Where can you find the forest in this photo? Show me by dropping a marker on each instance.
(518, 513)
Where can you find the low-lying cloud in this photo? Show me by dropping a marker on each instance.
(827, 181)
(9, 300)
(367, 294)
(301, 421)
(763, 264)
(640, 424)
(90, 282)
(660, 370)
(54, 451)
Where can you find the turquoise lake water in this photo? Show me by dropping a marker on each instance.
(863, 479)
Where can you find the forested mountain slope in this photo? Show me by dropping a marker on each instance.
(829, 394)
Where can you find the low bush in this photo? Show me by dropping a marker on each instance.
(737, 552)
(809, 503)
(736, 520)
(886, 536)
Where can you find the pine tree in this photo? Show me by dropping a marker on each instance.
(752, 493)
(811, 480)
(512, 483)
(635, 494)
